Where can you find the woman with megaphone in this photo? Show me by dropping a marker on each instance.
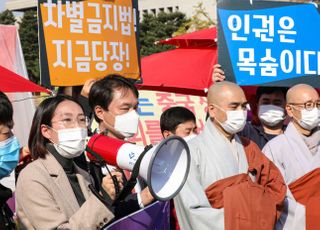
(52, 192)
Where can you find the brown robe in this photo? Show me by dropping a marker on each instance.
(306, 190)
(250, 204)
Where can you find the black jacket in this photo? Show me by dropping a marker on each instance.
(256, 134)
(6, 215)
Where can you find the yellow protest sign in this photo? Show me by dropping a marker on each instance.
(87, 39)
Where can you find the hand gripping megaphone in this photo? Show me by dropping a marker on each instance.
(164, 167)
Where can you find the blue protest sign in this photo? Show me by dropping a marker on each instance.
(269, 43)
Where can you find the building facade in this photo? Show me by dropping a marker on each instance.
(21, 5)
(145, 6)
(184, 6)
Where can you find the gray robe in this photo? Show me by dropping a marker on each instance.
(291, 155)
(212, 159)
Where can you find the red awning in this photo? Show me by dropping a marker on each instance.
(12, 82)
(180, 70)
(200, 38)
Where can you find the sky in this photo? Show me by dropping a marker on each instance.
(2, 5)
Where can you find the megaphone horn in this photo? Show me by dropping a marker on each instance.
(165, 166)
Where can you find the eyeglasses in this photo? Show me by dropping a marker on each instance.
(308, 105)
(69, 122)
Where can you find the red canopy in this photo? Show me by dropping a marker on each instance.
(183, 70)
(12, 82)
(201, 38)
(187, 69)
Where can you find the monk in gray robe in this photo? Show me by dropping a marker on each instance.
(297, 154)
(216, 154)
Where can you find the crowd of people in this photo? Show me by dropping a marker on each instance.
(244, 174)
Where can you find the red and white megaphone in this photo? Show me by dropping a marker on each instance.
(165, 166)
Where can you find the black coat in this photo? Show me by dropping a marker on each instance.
(6, 215)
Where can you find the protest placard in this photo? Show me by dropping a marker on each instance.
(269, 43)
(87, 39)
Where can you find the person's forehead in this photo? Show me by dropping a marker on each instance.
(234, 96)
(68, 108)
(187, 124)
(124, 96)
(305, 96)
(274, 95)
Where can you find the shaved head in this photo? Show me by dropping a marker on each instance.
(301, 93)
(222, 92)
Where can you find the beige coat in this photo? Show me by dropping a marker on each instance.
(45, 199)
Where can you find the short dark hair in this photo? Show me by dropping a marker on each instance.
(174, 116)
(102, 91)
(43, 115)
(269, 90)
(6, 111)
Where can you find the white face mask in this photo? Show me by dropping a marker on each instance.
(71, 142)
(236, 120)
(190, 137)
(127, 124)
(271, 115)
(309, 119)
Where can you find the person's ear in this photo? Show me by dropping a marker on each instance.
(166, 133)
(289, 110)
(99, 111)
(211, 110)
(46, 131)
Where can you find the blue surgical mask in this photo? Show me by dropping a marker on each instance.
(9, 156)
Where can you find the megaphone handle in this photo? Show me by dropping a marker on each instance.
(103, 164)
(133, 179)
(116, 184)
(114, 179)
(106, 202)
